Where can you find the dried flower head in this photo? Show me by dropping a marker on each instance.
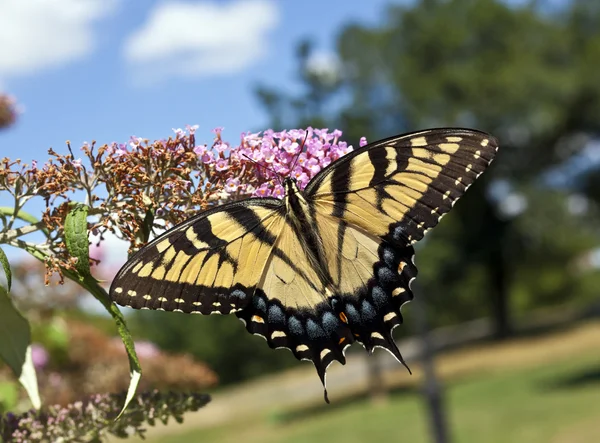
(135, 188)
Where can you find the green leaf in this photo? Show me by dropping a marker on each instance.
(135, 368)
(76, 238)
(15, 346)
(7, 273)
(133, 384)
(147, 225)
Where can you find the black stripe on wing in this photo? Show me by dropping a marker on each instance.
(202, 265)
(405, 183)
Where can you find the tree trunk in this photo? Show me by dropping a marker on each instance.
(432, 388)
(499, 297)
(378, 391)
(498, 268)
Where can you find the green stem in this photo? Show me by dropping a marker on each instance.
(91, 284)
(22, 215)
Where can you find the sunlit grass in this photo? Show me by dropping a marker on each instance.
(541, 404)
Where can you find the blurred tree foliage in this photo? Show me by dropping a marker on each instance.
(516, 241)
(220, 341)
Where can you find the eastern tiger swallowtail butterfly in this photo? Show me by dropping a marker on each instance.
(323, 267)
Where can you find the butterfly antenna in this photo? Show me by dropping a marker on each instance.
(277, 174)
(298, 156)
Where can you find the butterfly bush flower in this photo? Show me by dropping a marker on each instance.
(136, 188)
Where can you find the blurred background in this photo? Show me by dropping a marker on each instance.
(504, 334)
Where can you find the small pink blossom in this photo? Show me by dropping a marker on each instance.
(221, 165)
(278, 191)
(39, 356)
(291, 147)
(221, 147)
(208, 157)
(200, 150)
(325, 161)
(268, 155)
(192, 129)
(301, 177)
(119, 149)
(263, 191)
(281, 169)
(134, 142)
(257, 156)
(232, 184)
(362, 142)
(180, 133)
(301, 161)
(313, 165)
(218, 130)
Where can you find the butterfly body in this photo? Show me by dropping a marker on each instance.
(325, 266)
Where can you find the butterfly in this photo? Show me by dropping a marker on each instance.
(324, 267)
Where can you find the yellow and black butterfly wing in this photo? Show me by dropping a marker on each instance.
(372, 205)
(244, 258)
(211, 263)
(291, 307)
(400, 187)
(370, 280)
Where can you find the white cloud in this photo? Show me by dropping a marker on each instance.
(203, 38)
(325, 65)
(37, 34)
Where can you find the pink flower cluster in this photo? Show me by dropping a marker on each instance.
(273, 155)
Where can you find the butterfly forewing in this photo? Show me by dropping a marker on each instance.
(400, 187)
(210, 263)
(372, 205)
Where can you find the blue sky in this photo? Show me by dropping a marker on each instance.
(105, 70)
(108, 69)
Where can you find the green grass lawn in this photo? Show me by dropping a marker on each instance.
(550, 403)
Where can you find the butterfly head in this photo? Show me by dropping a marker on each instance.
(290, 184)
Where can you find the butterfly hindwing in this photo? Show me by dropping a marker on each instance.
(371, 279)
(210, 263)
(291, 307)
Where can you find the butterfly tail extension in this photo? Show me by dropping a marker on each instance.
(317, 335)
